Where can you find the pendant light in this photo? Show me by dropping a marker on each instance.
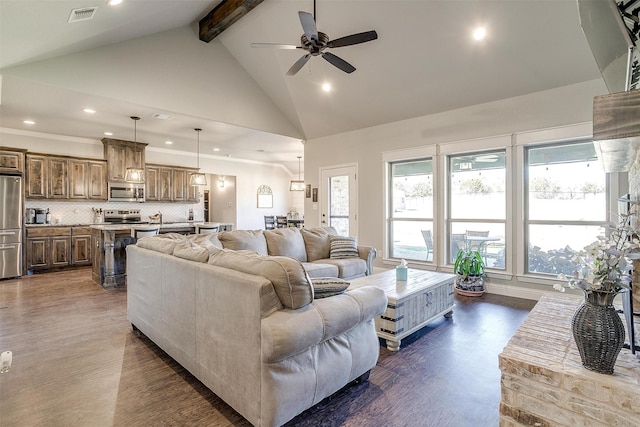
(198, 178)
(297, 185)
(134, 174)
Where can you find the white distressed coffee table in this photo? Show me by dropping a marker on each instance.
(412, 304)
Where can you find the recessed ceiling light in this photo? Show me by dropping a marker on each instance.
(479, 33)
(168, 142)
(109, 133)
(326, 87)
(114, 2)
(216, 149)
(89, 110)
(28, 122)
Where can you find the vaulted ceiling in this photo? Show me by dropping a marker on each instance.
(144, 57)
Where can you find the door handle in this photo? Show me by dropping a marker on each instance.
(7, 233)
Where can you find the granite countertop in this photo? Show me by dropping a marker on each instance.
(177, 225)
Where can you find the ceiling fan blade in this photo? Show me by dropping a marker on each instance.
(367, 36)
(339, 62)
(275, 46)
(308, 25)
(299, 64)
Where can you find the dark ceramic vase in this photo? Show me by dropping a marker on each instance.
(598, 331)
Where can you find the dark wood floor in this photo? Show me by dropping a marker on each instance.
(77, 363)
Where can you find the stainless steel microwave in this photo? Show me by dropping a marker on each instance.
(126, 192)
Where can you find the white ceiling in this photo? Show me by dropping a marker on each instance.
(424, 62)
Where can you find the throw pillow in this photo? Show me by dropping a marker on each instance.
(343, 247)
(252, 240)
(316, 241)
(324, 287)
(286, 242)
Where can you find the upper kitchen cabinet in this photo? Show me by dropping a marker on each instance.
(151, 182)
(11, 161)
(37, 173)
(87, 179)
(58, 179)
(169, 184)
(121, 155)
(51, 177)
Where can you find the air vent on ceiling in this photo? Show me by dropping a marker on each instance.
(82, 14)
(161, 116)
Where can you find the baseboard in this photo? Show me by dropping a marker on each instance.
(514, 291)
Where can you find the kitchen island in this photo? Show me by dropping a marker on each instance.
(109, 262)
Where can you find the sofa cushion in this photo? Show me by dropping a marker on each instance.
(158, 244)
(286, 242)
(205, 240)
(289, 278)
(343, 247)
(187, 249)
(324, 287)
(320, 269)
(316, 241)
(347, 267)
(252, 240)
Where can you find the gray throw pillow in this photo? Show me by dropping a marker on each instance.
(343, 247)
(324, 287)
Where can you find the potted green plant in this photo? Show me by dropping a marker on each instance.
(469, 270)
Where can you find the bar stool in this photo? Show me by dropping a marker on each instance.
(207, 228)
(139, 232)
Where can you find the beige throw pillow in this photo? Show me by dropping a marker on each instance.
(252, 240)
(316, 241)
(286, 242)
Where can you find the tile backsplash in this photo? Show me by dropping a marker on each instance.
(71, 213)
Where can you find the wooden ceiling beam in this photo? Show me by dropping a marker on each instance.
(223, 16)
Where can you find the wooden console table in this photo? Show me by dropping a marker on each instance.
(545, 384)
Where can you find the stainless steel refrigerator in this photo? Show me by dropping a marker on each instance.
(10, 226)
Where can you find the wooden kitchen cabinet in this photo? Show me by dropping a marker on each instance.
(58, 180)
(151, 182)
(179, 185)
(81, 246)
(78, 179)
(120, 155)
(97, 180)
(58, 247)
(51, 177)
(165, 184)
(37, 173)
(88, 179)
(11, 161)
(48, 247)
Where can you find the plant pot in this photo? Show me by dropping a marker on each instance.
(472, 286)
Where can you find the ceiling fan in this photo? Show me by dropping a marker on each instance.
(316, 42)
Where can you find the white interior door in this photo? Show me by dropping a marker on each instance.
(339, 199)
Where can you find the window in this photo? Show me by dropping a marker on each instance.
(566, 204)
(477, 206)
(411, 210)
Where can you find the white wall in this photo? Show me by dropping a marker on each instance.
(558, 107)
(248, 175)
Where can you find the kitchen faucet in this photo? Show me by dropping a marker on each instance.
(160, 215)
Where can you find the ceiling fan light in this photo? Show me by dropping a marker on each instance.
(197, 179)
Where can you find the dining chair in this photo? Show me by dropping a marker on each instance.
(479, 246)
(269, 222)
(457, 243)
(281, 221)
(144, 232)
(428, 241)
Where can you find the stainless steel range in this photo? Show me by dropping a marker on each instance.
(123, 216)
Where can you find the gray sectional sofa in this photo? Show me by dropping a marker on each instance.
(249, 326)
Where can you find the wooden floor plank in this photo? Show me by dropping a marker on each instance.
(76, 362)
